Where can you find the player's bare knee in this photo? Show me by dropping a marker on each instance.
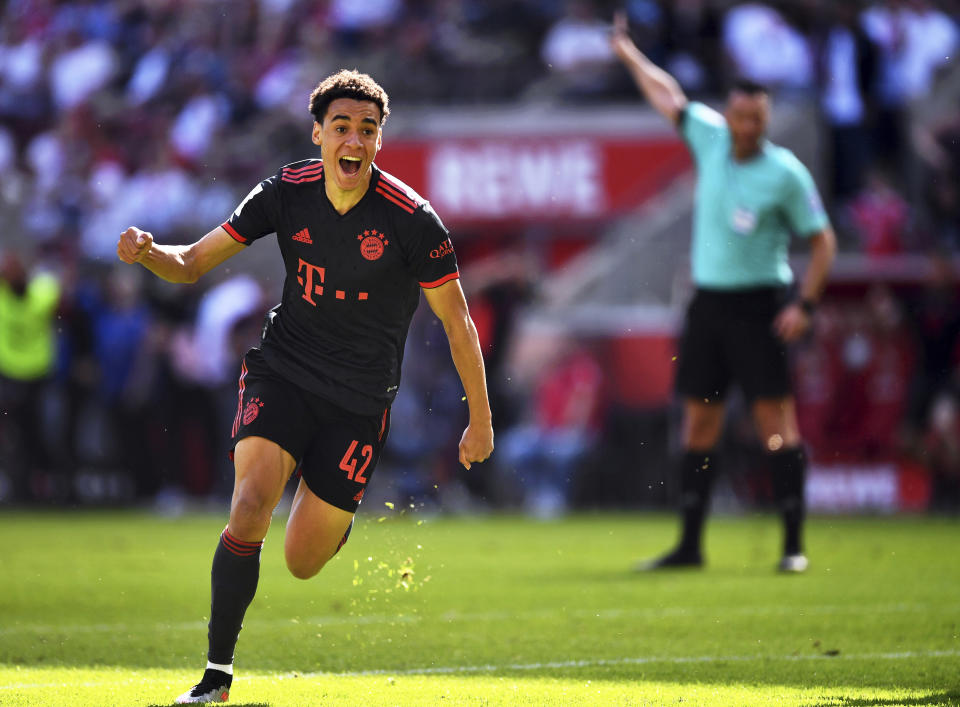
(250, 507)
(300, 572)
(304, 569)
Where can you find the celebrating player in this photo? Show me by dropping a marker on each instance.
(358, 246)
(750, 195)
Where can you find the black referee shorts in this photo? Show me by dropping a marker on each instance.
(337, 450)
(728, 337)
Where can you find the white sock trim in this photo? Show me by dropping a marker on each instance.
(228, 668)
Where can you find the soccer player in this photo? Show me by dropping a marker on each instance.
(750, 196)
(358, 246)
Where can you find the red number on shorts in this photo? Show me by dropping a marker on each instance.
(349, 464)
(367, 453)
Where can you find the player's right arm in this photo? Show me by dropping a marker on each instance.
(658, 87)
(185, 263)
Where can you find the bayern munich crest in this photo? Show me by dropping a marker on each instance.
(251, 411)
(372, 243)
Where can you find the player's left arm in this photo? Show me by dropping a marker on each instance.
(450, 306)
(794, 320)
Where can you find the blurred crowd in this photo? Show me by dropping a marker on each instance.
(879, 379)
(162, 113)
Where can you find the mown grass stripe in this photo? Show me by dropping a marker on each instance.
(450, 616)
(550, 665)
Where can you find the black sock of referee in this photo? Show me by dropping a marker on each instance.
(233, 582)
(789, 467)
(697, 471)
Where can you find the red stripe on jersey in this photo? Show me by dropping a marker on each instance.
(242, 384)
(383, 424)
(233, 232)
(302, 173)
(387, 195)
(299, 170)
(397, 191)
(307, 178)
(437, 283)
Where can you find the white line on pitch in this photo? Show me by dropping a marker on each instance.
(555, 665)
(552, 665)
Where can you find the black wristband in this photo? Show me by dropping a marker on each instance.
(808, 306)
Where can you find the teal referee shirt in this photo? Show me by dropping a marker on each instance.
(744, 212)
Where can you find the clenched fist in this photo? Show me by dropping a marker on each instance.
(134, 245)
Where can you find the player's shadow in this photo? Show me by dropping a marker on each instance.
(941, 698)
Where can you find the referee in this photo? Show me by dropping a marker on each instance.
(750, 196)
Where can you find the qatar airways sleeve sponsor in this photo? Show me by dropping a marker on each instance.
(433, 259)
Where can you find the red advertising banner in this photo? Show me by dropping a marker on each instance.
(523, 179)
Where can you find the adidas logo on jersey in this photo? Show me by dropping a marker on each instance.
(303, 236)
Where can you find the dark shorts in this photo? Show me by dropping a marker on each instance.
(336, 450)
(728, 337)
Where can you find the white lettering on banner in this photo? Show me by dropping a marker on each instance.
(842, 488)
(503, 180)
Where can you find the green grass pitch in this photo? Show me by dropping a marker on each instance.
(109, 608)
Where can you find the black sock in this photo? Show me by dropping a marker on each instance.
(697, 471)
(233, 582)
(789, 467)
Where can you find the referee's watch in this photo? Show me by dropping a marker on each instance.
(808, 306)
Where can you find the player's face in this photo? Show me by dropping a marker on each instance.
(747, 116)
(349, 138)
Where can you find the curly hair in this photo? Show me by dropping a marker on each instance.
(348, 84)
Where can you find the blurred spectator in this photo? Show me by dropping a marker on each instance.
(853, 380)
(563, 425)
(817, 371)
(425, 422)
(692, 41)
(499, 287)
(79, 70)
(23, 89)
(125, 353)
(847, 66)
(204, 359)
(879, 216)
(577, 51)
(939, 147)
(356, 24)
(888, 375)
(935, 315)
(196, 125)
(915, 39)
(941, 452)
(27, 308)
(764, 47)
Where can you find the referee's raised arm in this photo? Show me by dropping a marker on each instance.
(658, 87)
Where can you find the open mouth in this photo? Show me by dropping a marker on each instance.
(350, 165)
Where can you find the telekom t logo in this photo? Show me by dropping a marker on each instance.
(311, 277)
(309, 289)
